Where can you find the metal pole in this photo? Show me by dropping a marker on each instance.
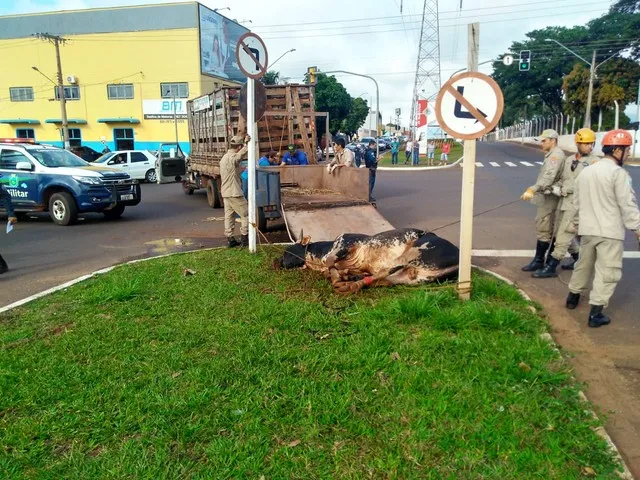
(63, 100)
(561, 124)
(617, 121)
(573, 125)
(175, 120)
(635, 134)
(468, 182)
(592, 74)
(251, 164)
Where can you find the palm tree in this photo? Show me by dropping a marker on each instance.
(272, 77)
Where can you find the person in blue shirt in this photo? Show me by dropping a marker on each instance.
(295, 157)
(371, 162)
(7, 206)
(268, 160)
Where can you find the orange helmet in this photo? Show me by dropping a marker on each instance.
(617, 138)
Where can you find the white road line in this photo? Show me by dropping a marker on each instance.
(528, 253)
(479, 164)
(539, 163)
(511, 164)
(494, 164)
(527, 164)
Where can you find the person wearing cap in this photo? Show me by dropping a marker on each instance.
(268, 160)
(343, 156)
(371, 162)
(541, 196)
(294, 156)
(565, 238)
(234, 200)
(605, 204)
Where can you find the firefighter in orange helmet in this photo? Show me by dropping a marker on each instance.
(605, 204)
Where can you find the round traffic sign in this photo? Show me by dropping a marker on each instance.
(251, 55)
(469, 105)
(507, 60)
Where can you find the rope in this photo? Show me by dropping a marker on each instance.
(477, 215)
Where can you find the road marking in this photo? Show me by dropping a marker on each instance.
(479, 164)
(527, 164)
(539, 163)
(511, 164)
(529, 253)
(494, 164)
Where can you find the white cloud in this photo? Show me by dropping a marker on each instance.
(330, 45)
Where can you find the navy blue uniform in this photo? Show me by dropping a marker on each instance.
(371, 162)
(7, 206)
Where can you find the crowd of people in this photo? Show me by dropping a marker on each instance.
(583, 205)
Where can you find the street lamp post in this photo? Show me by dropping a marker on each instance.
(377, 101)
(288, 51)
(592, 75)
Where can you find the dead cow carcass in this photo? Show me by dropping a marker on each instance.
(352, 261)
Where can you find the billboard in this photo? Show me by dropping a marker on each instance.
(218, 39)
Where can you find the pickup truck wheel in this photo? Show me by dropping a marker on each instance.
(63, 209)
(262, 220)
(151, 176)
(214, 198)
(186, 188)
(115, 213)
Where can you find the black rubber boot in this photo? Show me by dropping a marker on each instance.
(538, 261)
(233, 242)
(572, 300)
(549, 270)
(244, 241)
(572, 262)
(597, 318)
(4, 268)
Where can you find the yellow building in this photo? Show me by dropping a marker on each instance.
(121, 68)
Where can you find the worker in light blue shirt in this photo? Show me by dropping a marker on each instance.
(295, 157)
(271, 159)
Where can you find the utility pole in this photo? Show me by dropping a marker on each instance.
(592, 75)
(56, 41)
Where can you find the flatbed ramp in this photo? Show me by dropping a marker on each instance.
(328, 223)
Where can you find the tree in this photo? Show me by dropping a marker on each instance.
(272, 77)
(356, 117)
(331, 97)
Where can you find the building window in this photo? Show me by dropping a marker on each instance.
(71, 92)
(75, 137)
(120, 92)
(25, 133)
(123, 138)
(21, 94)
(178, 90)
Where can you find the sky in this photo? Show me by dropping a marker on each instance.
(372, 36)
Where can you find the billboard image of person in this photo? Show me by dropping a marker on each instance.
(218, 39)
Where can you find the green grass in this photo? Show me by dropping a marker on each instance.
(242, 372)
(456, 153)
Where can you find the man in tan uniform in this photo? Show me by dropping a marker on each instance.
(234, 201)
(565, 237)
(343, 157)
(540, 195)
(605, 204)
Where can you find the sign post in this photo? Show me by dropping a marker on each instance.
(468, 106)
(252, 58)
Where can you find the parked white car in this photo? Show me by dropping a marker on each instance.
(139, 164)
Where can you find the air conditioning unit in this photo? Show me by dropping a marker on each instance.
(72, 79)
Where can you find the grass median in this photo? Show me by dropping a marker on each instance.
(213, 365)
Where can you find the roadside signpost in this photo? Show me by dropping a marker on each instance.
(468, 106)
(507, 60)
(253, 60)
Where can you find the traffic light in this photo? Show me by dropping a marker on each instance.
(311, 71)
(525, 60)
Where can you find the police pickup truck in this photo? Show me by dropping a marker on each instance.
(45, 178)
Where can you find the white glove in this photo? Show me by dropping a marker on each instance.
(329, 168)
(556, 190)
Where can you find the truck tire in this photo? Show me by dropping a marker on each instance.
(262, 220)
(186, 188)
(214, 198)
(115, 213)
(63, 209)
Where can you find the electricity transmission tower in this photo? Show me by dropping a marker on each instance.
(428, 64)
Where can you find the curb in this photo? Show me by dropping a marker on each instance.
(601, 431)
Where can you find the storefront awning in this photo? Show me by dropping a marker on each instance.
(20, 120)
(70, 120)
(118, 120)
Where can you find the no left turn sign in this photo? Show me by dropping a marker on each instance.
(251, 55)
(469, 105)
